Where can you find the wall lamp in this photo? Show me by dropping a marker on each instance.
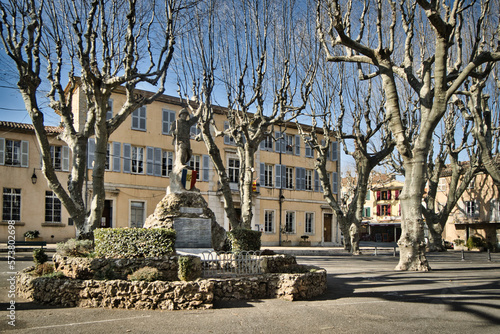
(33, 177)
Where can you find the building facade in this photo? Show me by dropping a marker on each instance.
(477, 213)
(288, 195)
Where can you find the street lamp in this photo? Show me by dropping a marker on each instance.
(33, 177)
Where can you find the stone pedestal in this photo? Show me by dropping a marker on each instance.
(188, 213)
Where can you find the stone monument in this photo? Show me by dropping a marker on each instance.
(183, 208)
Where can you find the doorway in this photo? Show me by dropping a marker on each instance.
(327, 227)
(107, 214)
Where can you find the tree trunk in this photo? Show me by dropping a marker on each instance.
(354, 237)
(345, 224)
(247, 161)
(412, 243)
(435, 243)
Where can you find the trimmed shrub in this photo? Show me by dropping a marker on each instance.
(148, 274)
(189, 268)
(475, 242)
(134, 242)
(74, 247)
(39, 256)
(244, 240)
(44, 269)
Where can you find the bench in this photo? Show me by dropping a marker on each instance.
(31, 244)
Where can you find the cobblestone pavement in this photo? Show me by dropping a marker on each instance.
(365, 295)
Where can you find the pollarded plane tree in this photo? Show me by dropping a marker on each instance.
(256, 53)
(429, 59)
(360, 125)
(447, 172)
(103, 45)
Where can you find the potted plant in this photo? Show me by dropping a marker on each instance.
(305, 242)
(285, 242)
(33, 235)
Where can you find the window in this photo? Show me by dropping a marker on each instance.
(194, 164)
(14, 152)
(383, 210)
(366, 212)
(471, 184)
(383, 195)
(137, 160)
(11, 204)
(309, 150)
(289, 144)
(309, 179)
(139, 119)
(228, 140)
(267, 180)
(52, 208)
(167, 163)
(167, 121)
(309, 228)
(472, 208)
(269, 221)
(55, 157)
(136, 214)
(234, 170)
(368, 195)
(290, 222)
(109, 112)
(267, 144)
(194, 131)
(288, 178)
(442, 185)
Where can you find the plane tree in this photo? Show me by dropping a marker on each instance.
(104, 46)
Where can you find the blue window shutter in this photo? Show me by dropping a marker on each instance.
(135, 119)
(65, 158)
(109, 113)
(25, 152)
(335, 149)
(262, 174)
(150, 160)
(165, 122)
(127, 158)
(283, 176)
(142, 118)
(298, 184)
(297, 145)
(227, 140)
(117, 157)
(277, 135)
(206, 168)
(157, 162)
(2, 151)
(278, 176)
(316, 181)
(335, 182)
(91, 151)
(262, 145)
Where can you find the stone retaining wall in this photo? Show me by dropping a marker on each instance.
(176, 295)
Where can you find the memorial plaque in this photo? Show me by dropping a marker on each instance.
(197, 211)
(193, 232)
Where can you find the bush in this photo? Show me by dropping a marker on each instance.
(148, 274)
(459, 242)
(39, 256)
(73, 247)
(44, 269)
(244, 240)
(475, 242)
(134, 242)
(189, 268)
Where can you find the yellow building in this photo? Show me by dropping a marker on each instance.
(477, 213)
(140, 160)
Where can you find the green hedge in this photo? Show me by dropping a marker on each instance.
(244, 240)
(134, 242)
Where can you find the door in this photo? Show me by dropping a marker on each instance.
(136, 214)
(107, 214)
(327, 231)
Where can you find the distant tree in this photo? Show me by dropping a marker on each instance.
(103, 45)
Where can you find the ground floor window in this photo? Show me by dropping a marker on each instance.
(136, 214)
(52, 208)
(269, 221)
(309, 228)
(11, 204)
(290, 222)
